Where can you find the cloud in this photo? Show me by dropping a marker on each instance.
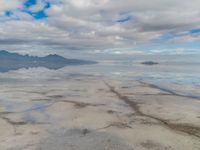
(92, 25)
(8, 5)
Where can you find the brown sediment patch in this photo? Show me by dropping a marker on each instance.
(79, 90)
(18, 123)
(101, 90)
(125, 87)
(6, 112)
(77, 104)
(130, 114)
(154, 146)
(39, 100)
(36, 92)
(184, 128)
(56, 96)
(81, 104)
(85, 131)
(145, 121)
(121, 125)
(14, 123)
(111, 111)
(28, 146)
(35, 133)
(40, 92)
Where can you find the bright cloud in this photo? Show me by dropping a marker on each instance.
(6, 5)
(93, 25)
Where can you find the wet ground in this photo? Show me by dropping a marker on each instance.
(94, 112)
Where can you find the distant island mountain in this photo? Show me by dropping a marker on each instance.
(14, 61)
(149, 63)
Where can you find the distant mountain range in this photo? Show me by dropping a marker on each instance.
(13, 61)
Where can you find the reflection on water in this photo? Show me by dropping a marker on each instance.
(13, 67)
(14, 61)
(171, 69)
(30, 89)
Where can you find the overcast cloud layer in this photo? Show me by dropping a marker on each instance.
(45, 26)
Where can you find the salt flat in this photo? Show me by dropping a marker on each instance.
(96, 112)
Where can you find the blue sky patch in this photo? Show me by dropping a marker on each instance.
(195, 31)
(39, 15)
(167, 36)
(36, 15)
(29, 3)
(47, 5)
(8, 13)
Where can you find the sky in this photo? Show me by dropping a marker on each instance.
(100, 26)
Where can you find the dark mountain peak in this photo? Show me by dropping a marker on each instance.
(3, 51)
(52, 55)
(7, 55)
(14, 61)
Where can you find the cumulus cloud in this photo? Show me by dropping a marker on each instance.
(93, 25)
